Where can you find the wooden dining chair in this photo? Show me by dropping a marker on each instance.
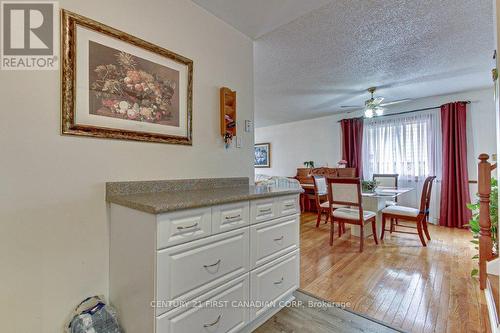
(347, 192)
(387, 180)
(321, 197)
(409, 214)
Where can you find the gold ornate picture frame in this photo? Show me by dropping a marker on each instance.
(118, 86)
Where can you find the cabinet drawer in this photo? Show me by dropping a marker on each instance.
(273, 281)
(288, 205)
(272, 239)
(183, 226)
(215, 311)
(230, 216)
(263, 210)
(187, 270)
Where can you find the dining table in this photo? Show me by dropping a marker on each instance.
(376, 202)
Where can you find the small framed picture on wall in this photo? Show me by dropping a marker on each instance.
(262, 155)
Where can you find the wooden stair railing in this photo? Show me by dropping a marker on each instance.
(484, 190)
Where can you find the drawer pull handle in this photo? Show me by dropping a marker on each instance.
(289, 205)
(268, 210)
(233, 217)
(188, 227)
(278, 239)
(207, 266)
(280, 281)
(214, 323)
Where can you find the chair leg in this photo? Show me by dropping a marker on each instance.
(426, 230)
(383, 227)
(302, 203)
(374, 230)
(318, 219)
(392, 226)
(420, 233)
(332, 226)
(340, 229)
(361, 236)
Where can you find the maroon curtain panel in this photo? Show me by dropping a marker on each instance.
(455, 183)
(352, 142)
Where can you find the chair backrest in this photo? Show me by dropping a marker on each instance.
(425, 199)
(344, 191)
(386, 179)
(319, 185)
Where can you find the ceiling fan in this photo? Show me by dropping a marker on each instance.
(374, 106)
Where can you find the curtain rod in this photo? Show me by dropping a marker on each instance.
(404, 112)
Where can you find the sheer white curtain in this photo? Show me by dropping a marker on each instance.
(409, 145)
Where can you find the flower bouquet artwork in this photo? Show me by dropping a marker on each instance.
(127, 87)
(117, 86)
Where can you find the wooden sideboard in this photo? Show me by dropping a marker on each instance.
(305, 177)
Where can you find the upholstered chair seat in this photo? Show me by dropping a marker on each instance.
(401, 210)
(352, 214)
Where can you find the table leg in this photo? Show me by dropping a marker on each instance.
(373, 205)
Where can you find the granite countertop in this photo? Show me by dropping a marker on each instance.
(158, 197)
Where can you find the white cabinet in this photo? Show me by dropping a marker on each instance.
(263, 210)
(288, 205)
(186, 270)
(183, 226)
(272, 239)
(230, 216)
(200, 270)
(271, 282)
(215, 311)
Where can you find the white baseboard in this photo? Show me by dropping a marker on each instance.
(492, 313)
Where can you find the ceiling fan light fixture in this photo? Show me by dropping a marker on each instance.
(369, 113)
(379, 111)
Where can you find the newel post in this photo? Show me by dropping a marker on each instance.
(485, 243)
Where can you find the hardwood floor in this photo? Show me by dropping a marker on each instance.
(305, 319)
(398, 282)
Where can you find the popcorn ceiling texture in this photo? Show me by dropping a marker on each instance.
(328, 57)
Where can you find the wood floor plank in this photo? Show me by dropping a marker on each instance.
(399, 282)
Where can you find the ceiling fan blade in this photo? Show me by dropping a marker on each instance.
(351, 106)
(378, 100)
(396, 102)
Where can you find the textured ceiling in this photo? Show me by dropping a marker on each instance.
(324, 59)
(257, 17)
(313, 63)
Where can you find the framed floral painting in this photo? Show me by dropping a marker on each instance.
(262, 155)
(118, 86)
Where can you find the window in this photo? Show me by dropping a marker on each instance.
(408, 145)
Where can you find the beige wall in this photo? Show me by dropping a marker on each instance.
(53, 217)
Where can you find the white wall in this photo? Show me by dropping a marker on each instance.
(293, 143)
(53, 216)
(319, 139)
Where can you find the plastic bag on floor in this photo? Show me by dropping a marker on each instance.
(93, 316)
